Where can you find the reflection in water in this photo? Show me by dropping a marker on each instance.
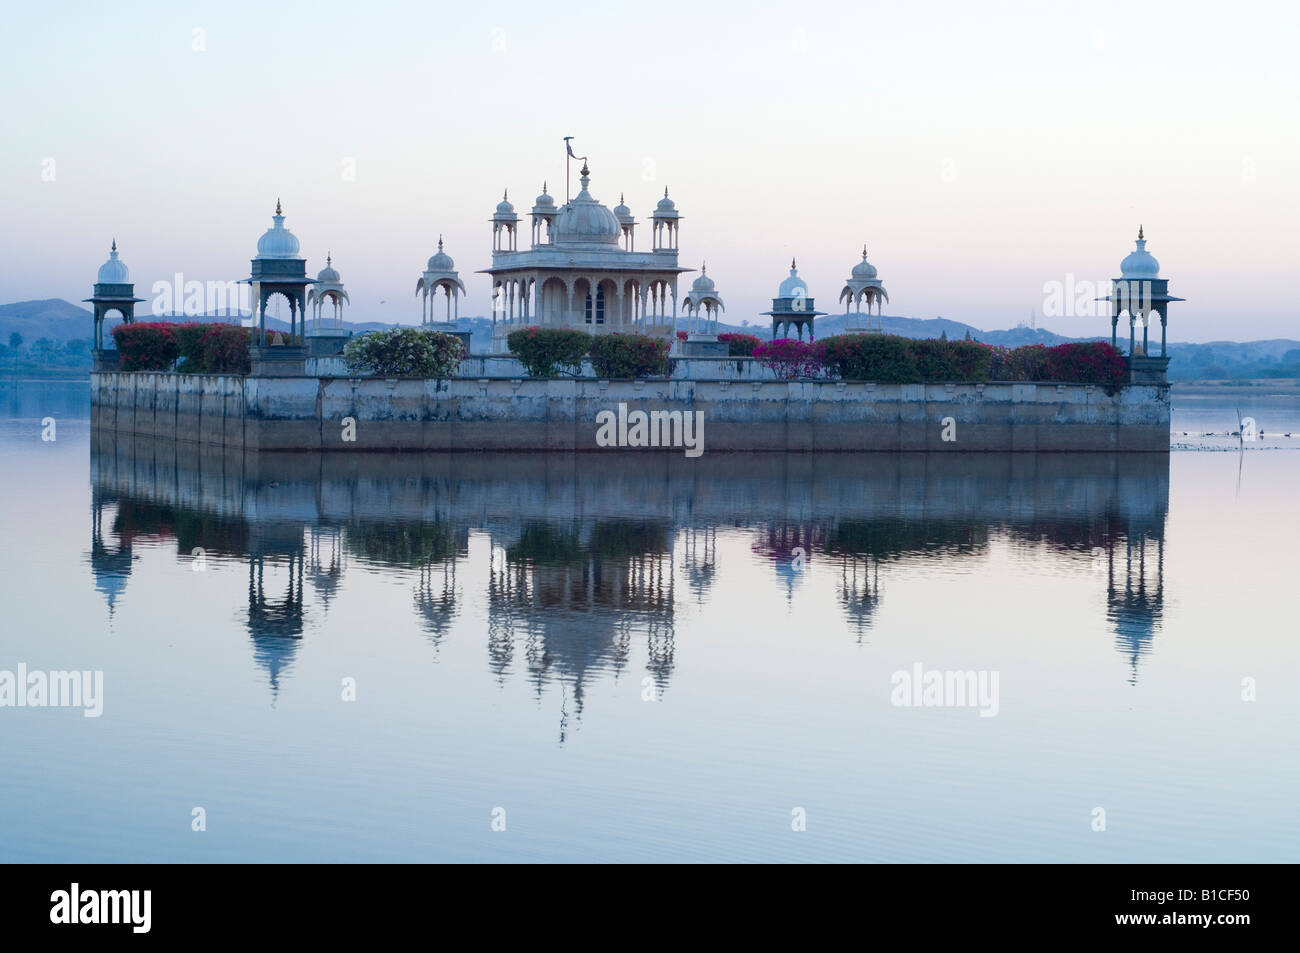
(582, 554)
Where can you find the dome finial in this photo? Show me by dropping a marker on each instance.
(864, 252)
(543, 186)
(1140, 232)
(277, 207)
(505, 195)
(793, 266)
(440, 241)
(704, 267)
(585, 170)
(114, 243)
(665, 191)
(328, 259)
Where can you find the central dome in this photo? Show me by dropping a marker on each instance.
(278, 241)
(586, 220)
(441, 261)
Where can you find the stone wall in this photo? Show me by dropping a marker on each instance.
(492, 413)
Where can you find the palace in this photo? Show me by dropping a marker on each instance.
(581, 268)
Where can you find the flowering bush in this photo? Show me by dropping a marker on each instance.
(224, 349)
(146, 346)
(790, 358)
(740, 345)
(938, 359)
(545, 352)
(629, 355)
(1086, 362)
(682, 335)
(404, 352)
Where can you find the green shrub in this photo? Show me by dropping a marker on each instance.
(146, 346)
(404, 352)
(944, 360)
(629, 355)
(886, 358)
(546, 352)
(740, 345)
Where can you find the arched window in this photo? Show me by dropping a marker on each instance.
(595, 311)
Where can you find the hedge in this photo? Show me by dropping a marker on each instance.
(891, 359)
(740, 345)
(629, 355)
(545, 352)
(404, 352)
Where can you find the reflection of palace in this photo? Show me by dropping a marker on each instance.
(584, 555)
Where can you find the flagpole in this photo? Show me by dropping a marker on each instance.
(568, 151)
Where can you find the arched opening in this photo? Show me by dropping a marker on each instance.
(594, 312)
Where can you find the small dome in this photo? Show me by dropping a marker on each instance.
(622, 212)
(278, 241)
(586, 220)
(793, 286)
(544, 199)
(702, 284)
(328, 273)
(504, 207)
(666, 204)
(441, 261)
(864, 270)
(113, 271)
(1140, 263)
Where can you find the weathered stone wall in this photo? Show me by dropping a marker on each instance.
(307, 413)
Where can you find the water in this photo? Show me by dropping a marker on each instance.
(505, 619)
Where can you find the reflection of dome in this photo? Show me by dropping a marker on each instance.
(113, 271)
(1140, 263)
(278, 241)
(586, 220)
(441, 261)
(794, 286)
(864, 269)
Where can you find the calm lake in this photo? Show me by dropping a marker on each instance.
(622, 656)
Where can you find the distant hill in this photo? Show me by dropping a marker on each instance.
(68, 326)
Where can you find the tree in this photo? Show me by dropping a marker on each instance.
(15, 340)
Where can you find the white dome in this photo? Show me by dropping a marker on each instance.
(586, 220)
(703, 284)
(864, 270)
(278, 241)
(666, 204)
(793, 286)
(622, 212)
(441, 261)
(544, 199)
(1140, 263)
(113, 271)
(504, 208)
(328, 273)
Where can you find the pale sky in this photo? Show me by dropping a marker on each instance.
(978, 150)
